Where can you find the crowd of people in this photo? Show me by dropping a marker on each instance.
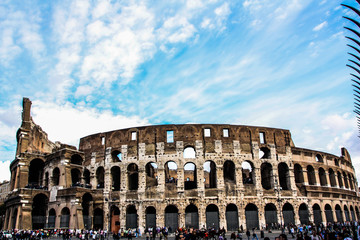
(336, 231)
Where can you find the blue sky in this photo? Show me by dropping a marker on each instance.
(91, 66)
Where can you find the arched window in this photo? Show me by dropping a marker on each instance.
(86, 175)
(170, 174)
(311, 175)
(210, 174)
(75, 177)
(116, 156)
(229, 171)
(299, 176)
(115, 177)
(151, 174)
(345, 180)
(340, 179)
(332, 177)
(338, 212)
(322, 177)
(248, 172)
(284, 176)
(36, 170)
(266, 176)
(133, 176)
(189, 152)
(100, 172)
(56, 176)
(76, 159)
(190, 176)
(319, 158)
(39, 208)
(264, 153)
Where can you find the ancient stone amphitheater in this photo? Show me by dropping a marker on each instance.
(192, 175)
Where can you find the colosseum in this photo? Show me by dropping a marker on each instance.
(191, 175)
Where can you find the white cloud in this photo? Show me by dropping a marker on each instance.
(320, 26)
(4, 170)
(176, 29)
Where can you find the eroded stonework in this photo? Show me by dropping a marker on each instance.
(190, 175)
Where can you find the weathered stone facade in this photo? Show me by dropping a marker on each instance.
(176, 175)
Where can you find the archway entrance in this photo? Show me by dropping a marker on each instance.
(317, 214)
(304, 214)
(212, 216)
(288, 214)
(191, 217)
(115, 219)
(150, 217)
(270, 215)
(232, 217)
(39, 208)
(131, 217)
(171, 218)
(252, 216)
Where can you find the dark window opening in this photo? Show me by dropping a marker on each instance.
(210, 174)
(100, 172)
(229, 171)
(266, 176)
(115, 177)
(190, 173)
(116, 156)
(133, 177)
(151, 174)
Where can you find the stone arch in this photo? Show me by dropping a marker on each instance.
(189, 152)
(284, 176)
(229, 171)
(171, 217)
(191, 217)
(131, 217)
(98, 219)
(266, 175)
(329, 214)
(150, 217)
(298, 171)
(39, 209)
(75, 177)
(133, 176)
(212, 216)
(190, 176)
(304, 214)
(352, 214)
(248, 172)
(339, 176)
(76, 159)
(51, 218)
(114, 219)
(347, 213)
(311, 175)
(87, 206)
(322, 177)
(332, 177)
(116, 156)
(151, 169)
(36, 170)
(232, 217)
(345, 180)
(288, 214)
(100, 175)
(319, 158)
(115, 178)
(170, 174)
(65, 218)
(351, 182)
(86, 175)
(317, 214)
(270, 215)
(338, 211)
(252, 216)
(210, 174)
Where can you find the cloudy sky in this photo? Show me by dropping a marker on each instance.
(92, 66)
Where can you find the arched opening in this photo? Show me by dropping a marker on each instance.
(115, 178)
(210, 174)
(350, 182)
(332, 177)
(116, 156)
(52, 218)
(288, 214)
(100, 172)
(299, 176)
(98, 219)
(212, 217)
(357, 213)
(38, 213)
(150, 217)
(339, 176)
(266, 175)
(322, 177)
(270, 215)
(115, 219)
(171, 218)
(304, 214)
(151, 174)
(13, 220)
(347, 214)
(317, 214)
(87, 206)
(133, 177)
(191, 217)
(319, 158)
(345, 180)
(352, 213)
(284, 176)
(252, 216)
(264, 153)
(76, 159)
(86, 175)
(311, 175)
(75, 177)
(232, 217)
(46, 183)
(131, 217)
(248, 172)
(189, 152)
(229, 171)
(36, 170)
(170, 173)
(56, 176)
(329, 214)
(65, 218)
(190, 176)
(338, 213)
